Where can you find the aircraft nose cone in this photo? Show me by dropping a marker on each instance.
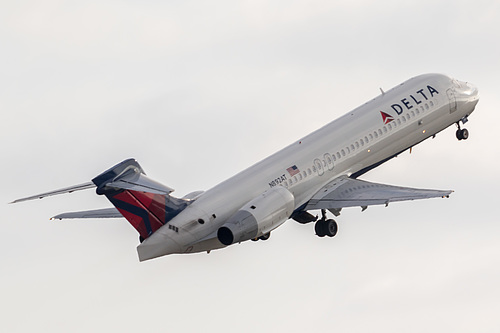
(469, 90)
(157, 245)
(474, 92)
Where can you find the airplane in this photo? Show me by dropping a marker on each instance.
(318, 172)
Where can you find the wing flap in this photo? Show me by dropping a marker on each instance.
(347, 192)
(105, 213)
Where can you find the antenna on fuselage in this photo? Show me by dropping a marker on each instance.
(382, 91)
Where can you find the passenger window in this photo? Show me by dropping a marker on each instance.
(380, 132)
(305, 174)
(309, 171)
(357, 144)
(343, 152)
(375, 134)
(362, 142)
(413, 113)
(371, 136)
(426, 106)
(399, 121)
(347, 149)
(338, 155)
(404, 119)
(390, 127)
(432, 104)
(352, 147)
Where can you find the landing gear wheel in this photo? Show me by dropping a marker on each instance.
(465, 134)
(462, 133)
(320, 228)
(331, 228)
(265, 236)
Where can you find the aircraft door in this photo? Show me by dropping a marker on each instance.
(319, 167)
(329, 161)
(453, 100)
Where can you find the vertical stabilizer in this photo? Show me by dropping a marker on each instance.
(145, 203)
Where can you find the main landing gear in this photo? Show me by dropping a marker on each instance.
(324, 227)
(263, 237)
(462, 133)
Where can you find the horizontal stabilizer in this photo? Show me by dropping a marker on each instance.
(347, 192)
(128, 175)
(106, 213)
(144, 202)
(140, 183)
(70, 189)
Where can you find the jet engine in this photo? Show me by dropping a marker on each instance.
(258, 217)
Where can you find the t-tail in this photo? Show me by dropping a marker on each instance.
(145, 203)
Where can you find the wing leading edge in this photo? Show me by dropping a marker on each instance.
(347, 192)
(70, 189)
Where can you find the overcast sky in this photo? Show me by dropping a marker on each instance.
(198, 91)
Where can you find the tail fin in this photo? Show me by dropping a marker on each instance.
(145, 203)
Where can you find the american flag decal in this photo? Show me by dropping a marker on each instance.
(293, 170)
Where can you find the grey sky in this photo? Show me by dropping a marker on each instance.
(197, 92)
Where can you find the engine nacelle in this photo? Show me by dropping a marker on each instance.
(258, 217)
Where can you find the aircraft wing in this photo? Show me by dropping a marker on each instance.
(90, 214)
(347, 192)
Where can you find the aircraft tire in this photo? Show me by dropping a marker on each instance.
(320, 228)
(462, 134)
(265, 236)
(331, 228)
(465, 134)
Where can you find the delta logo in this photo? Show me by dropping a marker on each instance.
(409, 102)
(386, 118)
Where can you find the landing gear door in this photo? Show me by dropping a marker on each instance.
(453, 100)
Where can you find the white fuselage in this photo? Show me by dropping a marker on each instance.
(361, 139)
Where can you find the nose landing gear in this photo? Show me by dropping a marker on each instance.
(462, 133)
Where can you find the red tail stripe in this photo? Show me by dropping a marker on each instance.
(139, 199)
